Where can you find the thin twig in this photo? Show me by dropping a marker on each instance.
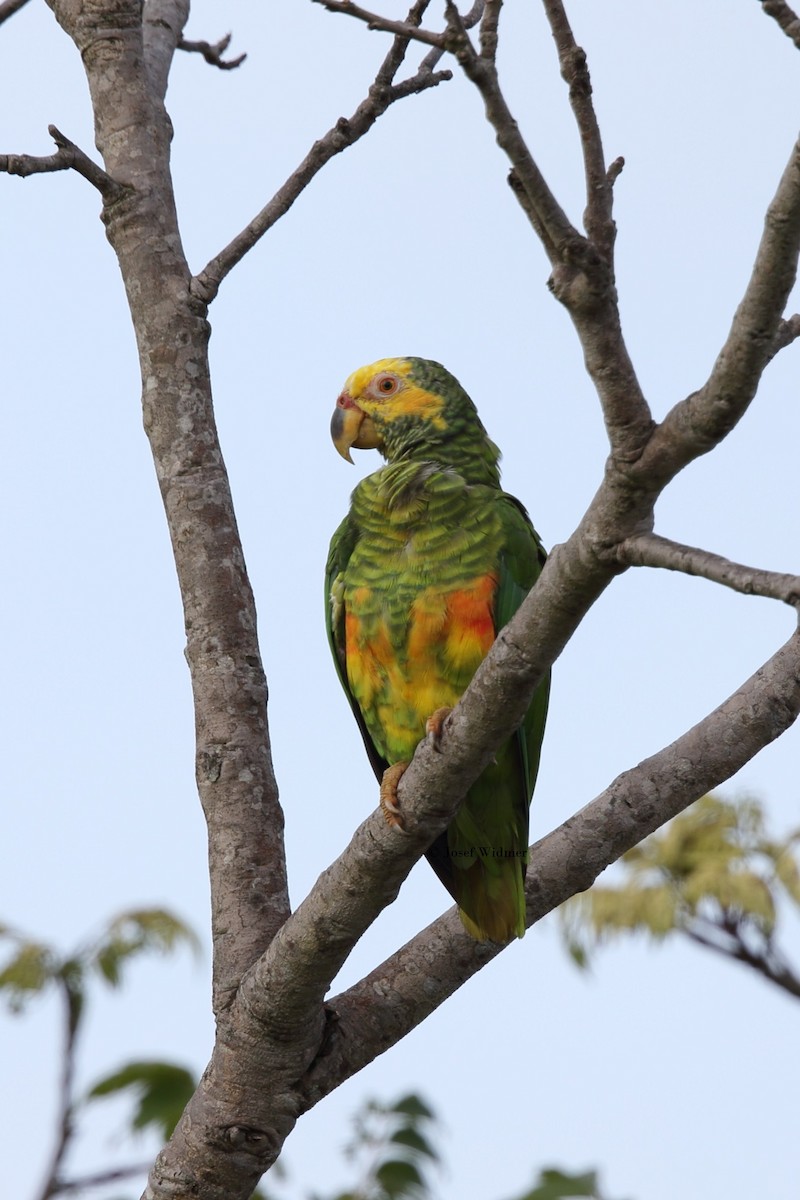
(383, 93)
(67, 157)
(489, 25)
(650, 550)
(561, 236)
(213, 53)
(101, 1179)
(373, 20)
(72, 1000)
(786, 17)
(772, 968)
(9, 7)
(697, 424)
(575, 72)
(469, 20)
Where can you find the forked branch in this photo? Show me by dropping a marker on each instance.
(382, 94)
(67, 157)
(213, 52)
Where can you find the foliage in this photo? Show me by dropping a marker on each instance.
(162, 1091)
(33, 968)
(714, 874)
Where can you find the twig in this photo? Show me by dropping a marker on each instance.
(73, 1002)
(9, 7)
(786, 17)
(469, 19)
(383, 93)
(213, 53)
(489, 25)
(575, 72)
(100, 1179)
(67, 157)
(697, 424)
(650, 550)
(403, 29)
(561, 236)
(770, 966)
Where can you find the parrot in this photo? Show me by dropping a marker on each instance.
(431, 561)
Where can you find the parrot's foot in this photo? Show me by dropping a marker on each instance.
(390, 806)
(434, 726)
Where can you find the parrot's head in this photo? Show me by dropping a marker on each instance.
(410, 408)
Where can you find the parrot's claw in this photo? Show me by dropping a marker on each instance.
(434, 726)
(388, 795)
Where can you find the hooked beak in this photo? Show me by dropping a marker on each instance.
(351, 427)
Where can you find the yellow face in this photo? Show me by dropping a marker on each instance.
(374, 396)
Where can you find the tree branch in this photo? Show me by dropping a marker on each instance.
(770, 967)
(100, 1179)
(383, 93)
(9, 7)
(407, 30)
(213, 53)
(785, 16)
(599, 185)
(162, 30)
(698, 423)
(67, 157)
(650, 550)
(72, 1004)
(235, 777)
(382, 1008)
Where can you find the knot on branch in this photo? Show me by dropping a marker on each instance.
(583, 285)
(258, 1142)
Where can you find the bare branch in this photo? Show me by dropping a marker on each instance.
(575, 72)
(9, 7)
(560, 235)
(67, 157)
(403, 29)
(698, 423)
(72, 1004)
(382, 1008)
(213, 53)
(786, 17)
(468, 20)
(489, 25)
(383, 93)
(650, 550)
(770, 965)
(100, 1179)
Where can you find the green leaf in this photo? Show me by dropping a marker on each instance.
(412, 1106)
(134, 932)
(553, 1184)
(26, 973)
(413, 1139)
(161, 1090)
(400, 1178)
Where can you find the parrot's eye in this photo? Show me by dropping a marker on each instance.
(386, 385)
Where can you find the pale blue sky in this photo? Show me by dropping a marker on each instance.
(672, 1072)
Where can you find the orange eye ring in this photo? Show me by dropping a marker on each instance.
(385, 385)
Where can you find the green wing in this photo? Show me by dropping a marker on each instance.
(342, 545)
(520, 566)
(482, 857)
